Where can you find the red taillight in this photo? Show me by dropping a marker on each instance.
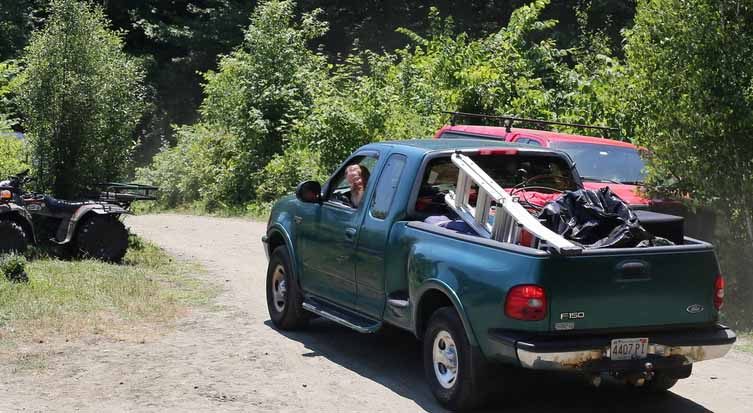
(526, 302)
(719, 292)
(498, 151)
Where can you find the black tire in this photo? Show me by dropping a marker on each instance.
(102, 237)
(12, 238)
(468, 389)
(284, 298)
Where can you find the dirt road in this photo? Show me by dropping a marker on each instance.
(230, 358)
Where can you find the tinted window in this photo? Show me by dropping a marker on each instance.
(605, 163)
(387, 186)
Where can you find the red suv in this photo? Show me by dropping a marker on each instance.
(600, 162)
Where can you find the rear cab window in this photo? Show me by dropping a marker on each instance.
(519, 174)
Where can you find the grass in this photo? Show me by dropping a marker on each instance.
(745, 342)
(72, 299)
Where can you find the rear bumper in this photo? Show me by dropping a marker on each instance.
(591, 353)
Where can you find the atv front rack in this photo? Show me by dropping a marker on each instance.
(127, 193)
(510, 218)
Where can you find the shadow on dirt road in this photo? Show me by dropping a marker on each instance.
(393, 359)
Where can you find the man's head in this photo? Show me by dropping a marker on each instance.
(358, 176)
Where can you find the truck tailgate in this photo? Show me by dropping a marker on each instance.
(631, 288)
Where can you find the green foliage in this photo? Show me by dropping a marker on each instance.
(260, 90)
(13, 159)
(267, 83)
(290, 116)
(17, 19)
(284, 172)
(689, 87)
(82, 98)
(177, 41)
(13, 267)
(199, 168)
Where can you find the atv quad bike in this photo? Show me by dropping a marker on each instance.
(16, 227)
(90, 228)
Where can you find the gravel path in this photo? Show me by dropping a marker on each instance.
(231, 359)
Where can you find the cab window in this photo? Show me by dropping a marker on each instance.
(341, 192)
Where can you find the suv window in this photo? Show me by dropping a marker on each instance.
(387, 186)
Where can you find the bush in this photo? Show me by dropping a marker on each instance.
(195, 170)
(13, 159)
(13, 267)
(284, 172)
(81, 97)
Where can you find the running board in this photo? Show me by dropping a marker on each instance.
(341, 316)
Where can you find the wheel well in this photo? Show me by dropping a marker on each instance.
(275, 240)
(430, 302)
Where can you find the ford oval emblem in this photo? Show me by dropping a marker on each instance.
(694, 308)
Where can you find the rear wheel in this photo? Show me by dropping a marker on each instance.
(455, 371)
(102, 237)
(284, 298)
(12, 238)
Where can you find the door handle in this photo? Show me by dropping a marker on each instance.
(297, 219)
(350, 234)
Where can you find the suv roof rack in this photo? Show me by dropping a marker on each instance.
(508, 121)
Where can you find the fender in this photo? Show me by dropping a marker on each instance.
(22, 214)
(279, 229)
(441, 286)
(69, 228)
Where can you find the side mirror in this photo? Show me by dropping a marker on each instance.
(309, 191)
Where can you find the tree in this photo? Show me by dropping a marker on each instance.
(81, 97)
(17, 20)
(262, 88)
(691, 89)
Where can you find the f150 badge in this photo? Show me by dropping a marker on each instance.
(577, 315)
(694, 308)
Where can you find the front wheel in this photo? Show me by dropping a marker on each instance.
(456, 372)
(12, 238)
(284, 298)
(103, 237)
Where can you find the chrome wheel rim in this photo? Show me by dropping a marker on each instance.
(279, 288)
(445, 359)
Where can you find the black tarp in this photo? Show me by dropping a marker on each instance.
(596, 219)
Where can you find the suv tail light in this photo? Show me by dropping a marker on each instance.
(719, 292)
(526, 302)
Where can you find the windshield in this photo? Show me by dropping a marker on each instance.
(605, 163)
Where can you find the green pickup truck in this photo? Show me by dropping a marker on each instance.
(500, 290)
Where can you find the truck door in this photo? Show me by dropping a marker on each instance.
(372, 240)
(328, 235)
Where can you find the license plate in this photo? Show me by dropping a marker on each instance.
(629, 348)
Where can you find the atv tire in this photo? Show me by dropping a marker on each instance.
(12, 238)
(102, 237)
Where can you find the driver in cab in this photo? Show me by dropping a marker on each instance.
(358, 177)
